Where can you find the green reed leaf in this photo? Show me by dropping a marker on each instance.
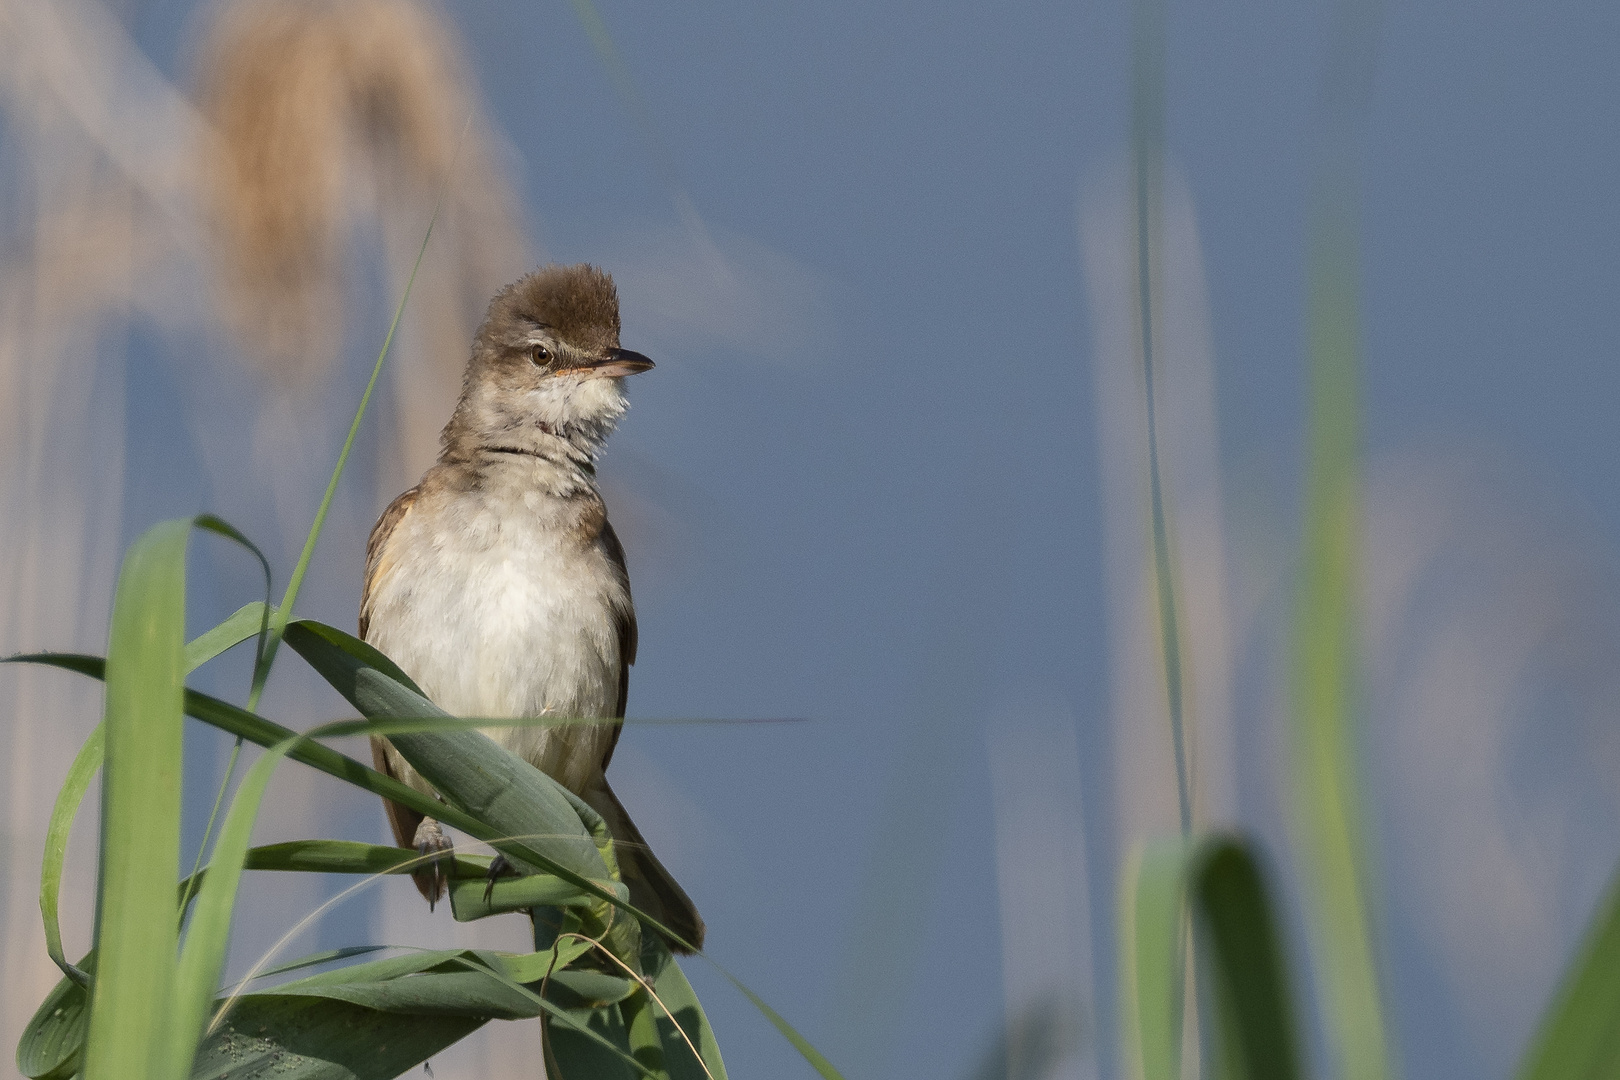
(787, 1030)
(246, 622)
(1255, 1034)
(140, 819)
(1152, 948)
(52, 1045)
(1327, 790)
(327, 956)
(254, 728)
(676, 994)
(594, 1044)
(208, 937)
(1251, 1028)
(1579, 1034)
(68, 800)
(309, 1038)
(1147, 168)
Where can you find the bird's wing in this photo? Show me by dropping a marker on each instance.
(402, 819)
(625, 618)
(378, 562)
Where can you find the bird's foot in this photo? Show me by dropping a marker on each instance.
(498, 868)
(433, 845)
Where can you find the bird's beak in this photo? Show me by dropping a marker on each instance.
(620, 362)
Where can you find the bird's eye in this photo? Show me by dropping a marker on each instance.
(540, 355)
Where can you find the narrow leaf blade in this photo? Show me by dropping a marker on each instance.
(1243, 958)
(83, 770)
(1579, 1034)
(140, 830)
(677, 995)
(309, 1038)
(1151, 947)
(52, 1045)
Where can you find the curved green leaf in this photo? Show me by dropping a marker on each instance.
(477, 776)
(1579, 1035)
(83, 770)
(1255, 1033)
(52, 1045)
(1252, 1034)
(208, 937)
(327, 956)
(140, 818)
(677, 996)
(306, 1038)
(592, 1044)
(246, 622)
(1153, 942)
(476, 898)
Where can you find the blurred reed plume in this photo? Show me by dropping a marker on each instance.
(324, 114)
(88, 131)
(319, 125)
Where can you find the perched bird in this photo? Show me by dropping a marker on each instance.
(497, 583)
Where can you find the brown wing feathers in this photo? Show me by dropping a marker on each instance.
(627, 635)
(402, 819)
(377, 562)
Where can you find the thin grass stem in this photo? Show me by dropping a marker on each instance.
(1147, 124)
(282, 614)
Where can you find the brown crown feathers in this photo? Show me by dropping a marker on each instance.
(579, 304)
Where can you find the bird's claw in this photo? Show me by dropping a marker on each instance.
(435, 848)
(498, 868)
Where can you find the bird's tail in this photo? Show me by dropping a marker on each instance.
(652, 888)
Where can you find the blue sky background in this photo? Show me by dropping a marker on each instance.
(869, 487)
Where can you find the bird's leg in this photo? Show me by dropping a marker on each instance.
(498, 868)
(431, 843)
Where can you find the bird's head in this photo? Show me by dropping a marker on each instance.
(546, 365)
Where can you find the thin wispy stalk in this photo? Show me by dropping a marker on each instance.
(280, 616)
(1147, 164)
(276, 624)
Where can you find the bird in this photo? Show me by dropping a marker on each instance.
(498, 584)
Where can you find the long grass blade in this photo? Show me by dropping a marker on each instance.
(83, 770)
(1152, 945)
(327, 956)
(1218, 880)
(618, 72)
(787, 1030)
(211, 644)
(1255, 1033)
(140, 817)
(1147, 160)
(208, 939)
(1326, 777)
